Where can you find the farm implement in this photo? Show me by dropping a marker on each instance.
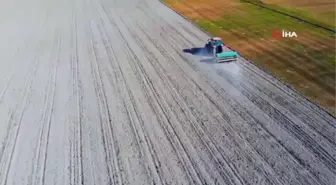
(215, 45)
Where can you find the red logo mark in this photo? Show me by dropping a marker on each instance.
(276, 33)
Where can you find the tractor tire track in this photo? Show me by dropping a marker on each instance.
(149, 145)
(8, 151)
(175, 142)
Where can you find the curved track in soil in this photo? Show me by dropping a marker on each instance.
(101, 92)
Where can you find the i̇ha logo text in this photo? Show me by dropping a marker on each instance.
(276, 33)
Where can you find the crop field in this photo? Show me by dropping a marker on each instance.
(306, 62)
(318, 11)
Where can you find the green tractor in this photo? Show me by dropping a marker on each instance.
(215, 45)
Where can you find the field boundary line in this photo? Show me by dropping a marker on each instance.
(289, 15)
(290, 87)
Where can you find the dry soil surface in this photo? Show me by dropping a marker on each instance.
(100, 92)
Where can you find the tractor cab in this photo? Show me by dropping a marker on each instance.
(215, 41)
